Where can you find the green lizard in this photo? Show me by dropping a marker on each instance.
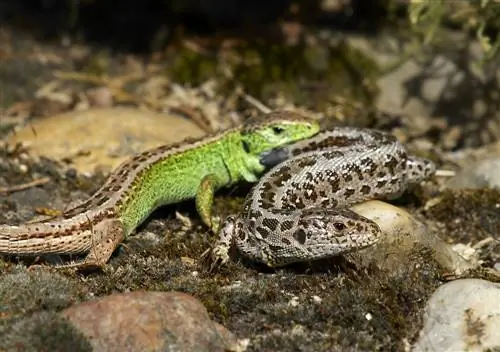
(165, 175)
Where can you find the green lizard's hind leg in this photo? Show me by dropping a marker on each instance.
(204, 202)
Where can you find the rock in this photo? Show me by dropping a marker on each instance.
(401, 234)
(438, 86)
(462, 315)
(483, 173)
(149, 321)
(102, 138)
(477, 167)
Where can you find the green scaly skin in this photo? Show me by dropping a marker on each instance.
(165, 175)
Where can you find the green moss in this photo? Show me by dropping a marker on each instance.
(28, 292)
(46, 331)
(192, 68)
(470, 215)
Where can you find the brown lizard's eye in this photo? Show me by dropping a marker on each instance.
(339, 226)
(278, 130)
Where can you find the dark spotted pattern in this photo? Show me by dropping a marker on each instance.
(270, 223)
(327, 142)
(286, 225)
(365, 189)
(297, 211)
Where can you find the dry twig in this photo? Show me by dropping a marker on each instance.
(23, 186)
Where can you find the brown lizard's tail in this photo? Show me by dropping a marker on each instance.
(46, 237)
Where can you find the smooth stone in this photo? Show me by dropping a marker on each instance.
(401, 233)
(462, 315)
(149, 321)
(102, 138)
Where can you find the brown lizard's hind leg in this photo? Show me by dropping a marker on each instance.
(107, 235)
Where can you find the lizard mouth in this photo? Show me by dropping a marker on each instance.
(274, 156)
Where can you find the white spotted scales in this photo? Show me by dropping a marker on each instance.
(298, 210)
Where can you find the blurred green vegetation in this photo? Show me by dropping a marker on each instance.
(480, 17)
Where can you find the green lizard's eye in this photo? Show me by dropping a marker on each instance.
(278, 130)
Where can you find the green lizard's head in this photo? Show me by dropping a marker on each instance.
(276, 129)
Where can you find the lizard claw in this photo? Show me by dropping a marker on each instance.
(220, 256)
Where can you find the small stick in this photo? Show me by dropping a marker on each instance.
(260, 106)
(445, 173)
(23, 186)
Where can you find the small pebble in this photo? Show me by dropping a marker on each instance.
(294, 302)
(23, 168)
(317, 299)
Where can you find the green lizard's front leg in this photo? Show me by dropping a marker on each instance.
(205, 200)
(208, 186)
